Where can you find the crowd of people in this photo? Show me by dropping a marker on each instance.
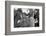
(26, 20)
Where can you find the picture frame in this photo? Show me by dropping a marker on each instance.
(9, 14)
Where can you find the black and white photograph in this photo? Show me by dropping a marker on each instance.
(25, 17)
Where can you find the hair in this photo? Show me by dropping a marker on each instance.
(20, 10)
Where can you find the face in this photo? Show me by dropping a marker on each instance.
(35, 11)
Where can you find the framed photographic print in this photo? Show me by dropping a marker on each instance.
(24, 17)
